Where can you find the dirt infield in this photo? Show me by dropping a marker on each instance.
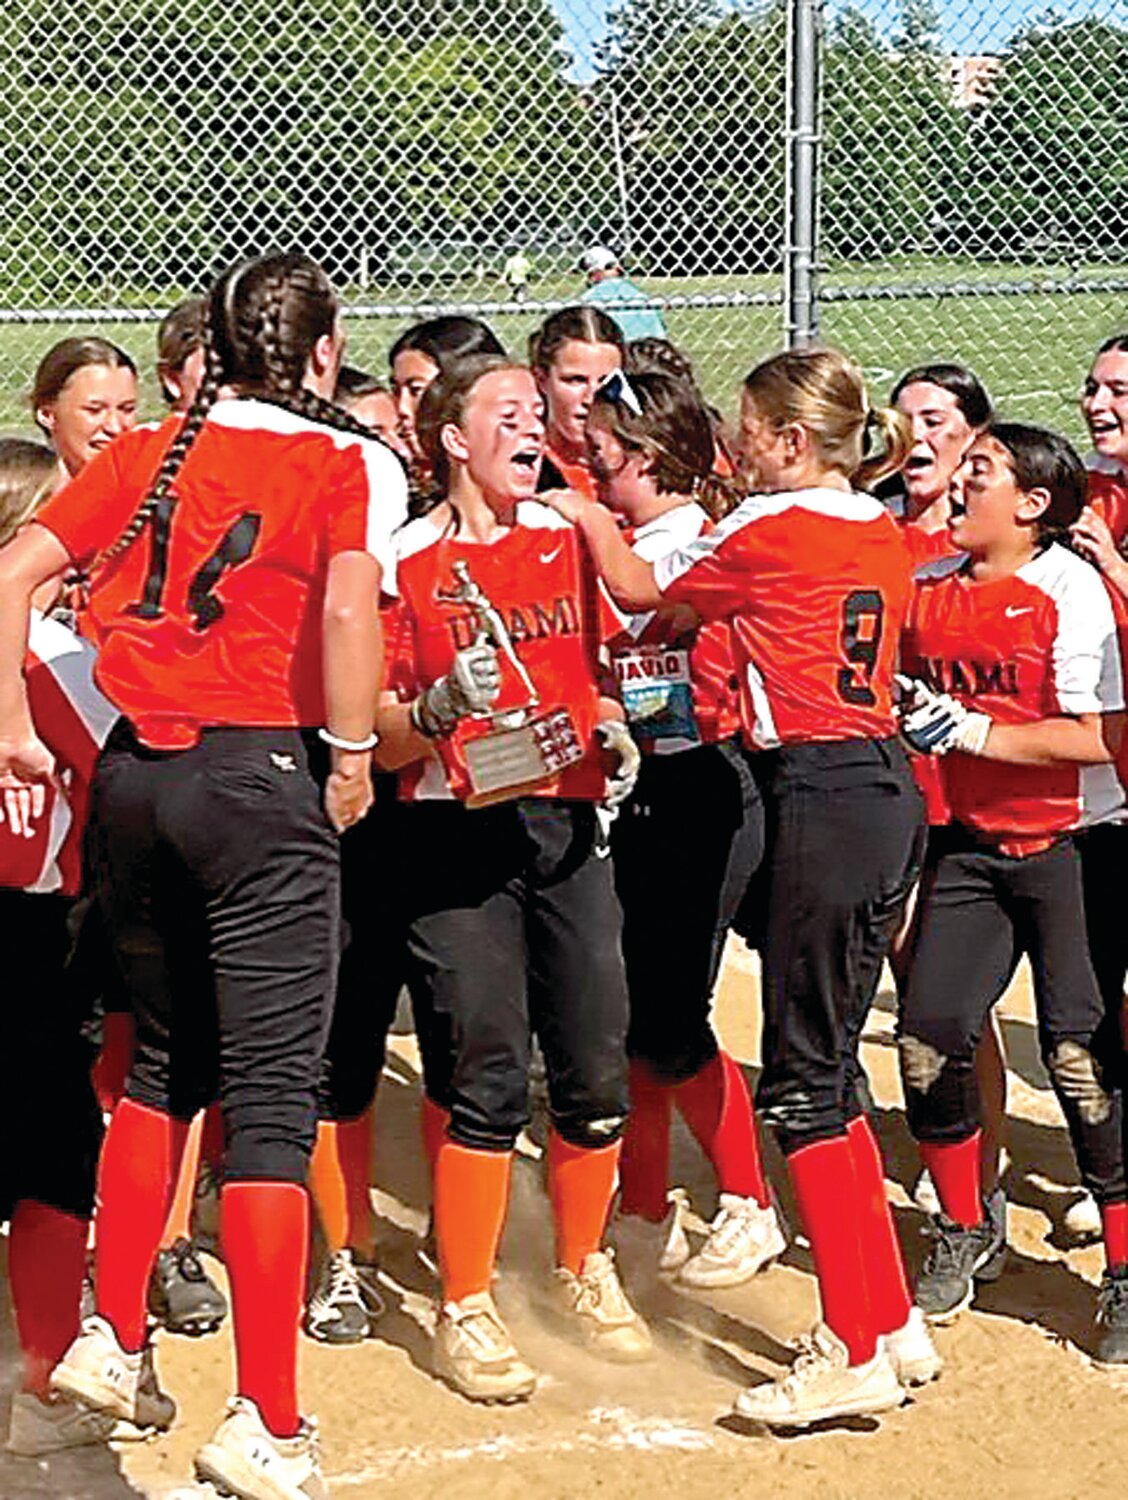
(1019, 1410)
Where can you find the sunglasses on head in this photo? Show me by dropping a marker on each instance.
(619, 391)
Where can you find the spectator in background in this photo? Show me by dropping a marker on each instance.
(516, 272)
(609, 287)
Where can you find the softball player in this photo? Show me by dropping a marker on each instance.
(815, 579)
(1022, 639)
(514, 924)
(571, 353)
(946, 405)
(84, 396)
(234, 602)
(687, 842)
(51, 1136)
(420, 355)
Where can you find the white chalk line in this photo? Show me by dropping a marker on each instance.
(613, 1429)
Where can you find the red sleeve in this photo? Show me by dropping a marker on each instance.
(1108, 496)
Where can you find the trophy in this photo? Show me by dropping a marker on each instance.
(526, 746)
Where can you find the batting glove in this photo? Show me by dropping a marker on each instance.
(614, 735)
(936, 723)
(470, 687)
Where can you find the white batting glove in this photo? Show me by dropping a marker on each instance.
(470, 687)
(614, 735)
(934, 723)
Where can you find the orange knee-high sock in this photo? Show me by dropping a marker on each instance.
(433, 1123)
(581, 1180)
(265, 1239)
(886, 1280)
(717, 1107)
(471, 1197)
(140, 1157)
(354, 1149)
(644, 1164)
(179, 1221)
(327, 1186)
(827, 1193)
(46, 1261)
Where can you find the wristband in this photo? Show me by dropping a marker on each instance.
(357, 747)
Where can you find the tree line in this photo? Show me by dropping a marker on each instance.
(140, 148)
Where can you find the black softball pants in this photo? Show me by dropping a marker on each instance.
(980, 911)
(515, 931)
(843, 823)
(685, 847)
(52, 1128)
(219, 877)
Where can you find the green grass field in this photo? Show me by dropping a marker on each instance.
(1031, 349)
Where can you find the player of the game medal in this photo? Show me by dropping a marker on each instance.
(525, 748)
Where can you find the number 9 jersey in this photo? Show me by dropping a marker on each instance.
(817, 585)
(212, 616)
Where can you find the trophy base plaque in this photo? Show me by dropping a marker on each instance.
(518, 762)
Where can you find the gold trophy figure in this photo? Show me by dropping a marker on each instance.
(525, 748)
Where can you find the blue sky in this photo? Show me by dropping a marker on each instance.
(965, 26)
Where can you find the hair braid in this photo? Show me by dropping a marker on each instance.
(177, 451)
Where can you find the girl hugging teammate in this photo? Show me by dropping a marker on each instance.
(815, 580)
(687, 842)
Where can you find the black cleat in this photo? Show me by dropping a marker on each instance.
(182, 1296)
(1112, 1318)
(958, 1259)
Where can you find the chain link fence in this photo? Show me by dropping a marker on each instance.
(902, 180)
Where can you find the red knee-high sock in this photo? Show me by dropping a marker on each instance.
(955, 1171)
(886, 1280)
(46, 1261)
(827, 1194)
(645, 1160)
(354, 1146)
(1114, 1218)
(265, 1239)
(717, 1107)
(136, 1175)
(581, 1180)
(433, 1123)
(471, 1197)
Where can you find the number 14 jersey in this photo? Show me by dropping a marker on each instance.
(212, 616)
(817, 585)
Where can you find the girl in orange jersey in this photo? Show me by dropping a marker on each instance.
(421, 354)
(815, 580)
(1021, 634)
(571, 353)
(1103, 526)
(235, 559)
(495, 713)
(688, 842)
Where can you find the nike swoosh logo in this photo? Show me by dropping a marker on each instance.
(1011, 612)
(547, 557)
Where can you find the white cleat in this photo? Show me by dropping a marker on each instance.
(911, 1351)
(1082, 1221)
(475, 1355)
(245, 1459)
(598, 1312)
(823, 1385)
(743, 1238)
(98, 1372)
(645, 1248)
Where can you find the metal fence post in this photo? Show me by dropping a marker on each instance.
(804, 38)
